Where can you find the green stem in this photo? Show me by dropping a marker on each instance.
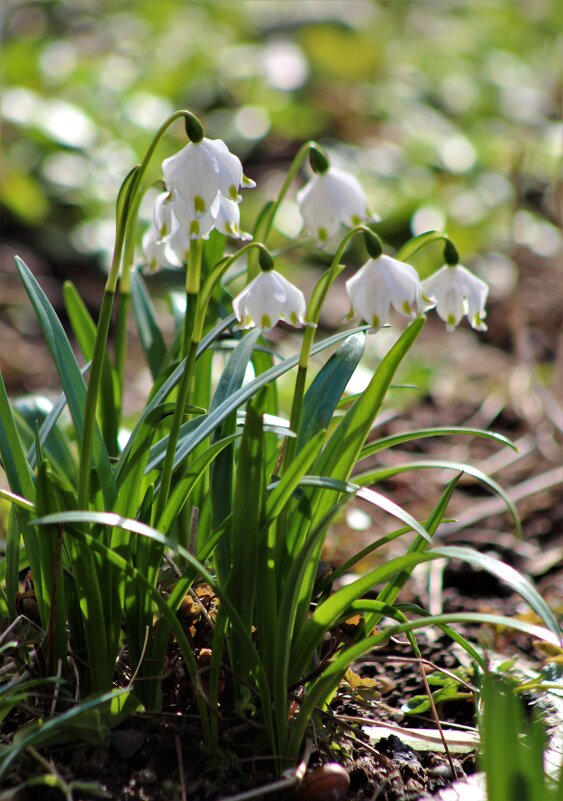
(418, 243)
(313, 315)
(124, 290)
(188, 354)
(263, 231)
(125, 204)
(197, 303)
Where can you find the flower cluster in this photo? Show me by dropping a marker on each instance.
(203, 182)
(202, 194)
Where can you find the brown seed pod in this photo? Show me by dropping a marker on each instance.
(329, 783)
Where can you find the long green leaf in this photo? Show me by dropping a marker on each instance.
(221, 480)
(150, 334)
(185, 485)
(84, 330)
(323, 395)
(330, 611)
(341, 454)
(516, 581)
(69, 374)
(421, 433)
(12, 455)
(394, 586)
(205, 427)
(382, 473)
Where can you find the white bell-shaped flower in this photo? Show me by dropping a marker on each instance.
(332, 199)
(155, 250)
(268, 298)
(163, 219)
(381, 283)
(202, 169)
(457, 292)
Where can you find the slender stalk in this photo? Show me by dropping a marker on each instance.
(124, 290)
(125, 203)
(197, 298)
(313, 314)
(188, 354)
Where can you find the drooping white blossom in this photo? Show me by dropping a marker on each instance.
(155, 250)
(202, 195)
(201, 170)
(381, 283)
(267, 299)
(332, 199)
(457, 292)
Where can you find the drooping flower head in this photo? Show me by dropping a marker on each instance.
(269, 298)
(202, 194)
(381, 283)
(457, 292)
(330, 199)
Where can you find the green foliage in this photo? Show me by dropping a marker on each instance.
(514, 742)
(213, 484)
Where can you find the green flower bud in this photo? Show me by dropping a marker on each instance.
(318, 160)
(194, 128)
(451, 256)
(373, 244)
(265, 259)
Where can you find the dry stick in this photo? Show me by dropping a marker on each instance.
(410, 659)
(180, 756)
(427, 738)
(436, 718)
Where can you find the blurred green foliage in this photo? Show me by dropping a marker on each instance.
(445, 109)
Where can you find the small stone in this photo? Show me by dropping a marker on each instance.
(329, 783)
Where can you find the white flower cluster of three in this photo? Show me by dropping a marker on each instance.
(203, 181)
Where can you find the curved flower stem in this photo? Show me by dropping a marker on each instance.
(264, 226)
(125, 204)
(124, 291)
(313, 314)
(418, 243)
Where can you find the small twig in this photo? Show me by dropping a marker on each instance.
(436, 718)
(411, 660)
(57, 687)
(428, 738)
(181, 768)
(142, 656)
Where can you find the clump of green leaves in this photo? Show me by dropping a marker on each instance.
(215, 485)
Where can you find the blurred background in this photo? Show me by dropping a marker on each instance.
(448, 111)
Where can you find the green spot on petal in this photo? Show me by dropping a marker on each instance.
(194, 228)
(451, 321)
(233, 194)
(407, 307)
(229, 228)
(265, 321)
(199, 204)
(322, 234)
(294, 318)
(356, 220)
(375, 321)
(163, 230)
